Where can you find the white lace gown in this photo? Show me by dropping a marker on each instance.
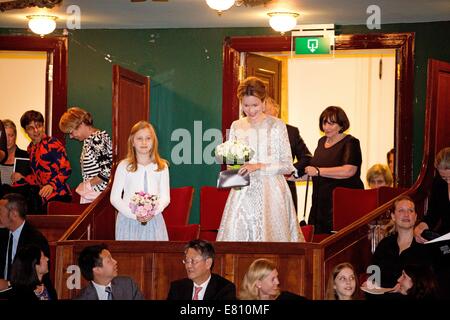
(127, 227)
(264, 210)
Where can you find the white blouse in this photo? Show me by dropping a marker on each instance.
(131, 182)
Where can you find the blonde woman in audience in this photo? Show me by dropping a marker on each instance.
(342, 283)
(379, 175)
(261, 283)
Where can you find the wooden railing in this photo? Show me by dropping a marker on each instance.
(97, 221)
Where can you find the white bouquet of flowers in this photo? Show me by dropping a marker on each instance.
(234, 153)
(143, 205)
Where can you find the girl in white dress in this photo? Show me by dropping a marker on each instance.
(142, 170)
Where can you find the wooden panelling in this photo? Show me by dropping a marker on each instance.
(153, 265)
(52, 227)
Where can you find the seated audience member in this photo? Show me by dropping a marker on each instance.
(96, 155)
(399, 249)
(48, 161)
(11, 137)
(261, 283)
(390, 158)
(3, 150)
(28, 270)
(342, 283)
(437, 217)
(100, 269)
(418, 282)
(379, 175)
(201, 283)
(17, 233)
(13, 152)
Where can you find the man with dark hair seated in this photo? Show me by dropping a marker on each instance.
(201, 284)
(17, 233)
(100, 269)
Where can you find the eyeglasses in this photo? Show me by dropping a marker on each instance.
(192, 261)
(36, 126)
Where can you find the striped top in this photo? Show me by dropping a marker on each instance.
(96, 158)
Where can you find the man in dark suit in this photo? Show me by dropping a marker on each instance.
(13, 211)
(100, 269)
(201, 284)
(300, 153)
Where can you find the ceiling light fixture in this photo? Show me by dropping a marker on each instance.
(220, 5)
(283, 21)
(42, 24)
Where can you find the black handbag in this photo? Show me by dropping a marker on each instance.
(232, 179)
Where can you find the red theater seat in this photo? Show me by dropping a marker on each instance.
(183, 233)
(177, 212)
(351, 204)
(212, 203)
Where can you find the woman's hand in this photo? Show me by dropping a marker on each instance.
(311, 171)
(144, 219)
(46, 191)
(418, 231)
(249, 168)
(16, 176)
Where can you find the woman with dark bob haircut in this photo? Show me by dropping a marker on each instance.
(336, 163)
(27, 273)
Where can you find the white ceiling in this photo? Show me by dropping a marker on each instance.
(118, 14)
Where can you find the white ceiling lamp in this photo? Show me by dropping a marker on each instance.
(220, 5)
(283, 21)
(42, 24)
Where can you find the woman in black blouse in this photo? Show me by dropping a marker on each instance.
(438, 214)
(336, 163)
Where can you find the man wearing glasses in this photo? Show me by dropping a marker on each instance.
(200, 283)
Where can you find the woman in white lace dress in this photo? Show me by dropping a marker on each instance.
(263, 211)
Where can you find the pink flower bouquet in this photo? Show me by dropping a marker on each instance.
(143, 205)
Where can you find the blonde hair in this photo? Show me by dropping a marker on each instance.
(442, 161)
(380, 170)
(10, 124)
(72, 118)
(331, 292)
(154, 154)
(252, 86)
(258, 270)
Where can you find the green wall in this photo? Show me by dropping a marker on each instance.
(185, 68)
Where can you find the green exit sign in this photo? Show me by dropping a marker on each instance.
(312, 45)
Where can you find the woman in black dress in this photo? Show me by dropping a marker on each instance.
(336, 163)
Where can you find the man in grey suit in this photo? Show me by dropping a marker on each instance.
(100, 269)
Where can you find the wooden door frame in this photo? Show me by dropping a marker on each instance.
(119, 72)
(403, 43)
(55, 99)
